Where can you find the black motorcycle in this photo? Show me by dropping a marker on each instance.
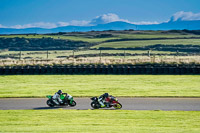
(109, 102)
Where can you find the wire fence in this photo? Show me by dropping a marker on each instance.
(96, 57)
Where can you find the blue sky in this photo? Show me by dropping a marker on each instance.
(52, 13)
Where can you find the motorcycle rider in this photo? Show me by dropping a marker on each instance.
(56, 97)
(102, 98)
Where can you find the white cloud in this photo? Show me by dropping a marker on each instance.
(1, 26)
(107, 18)
(111, 17)
(39, 24)
(145, 23)
(79, 23)
(74, 23)
(63, 23)
(102, 19)
(48, 25)
(185, 16)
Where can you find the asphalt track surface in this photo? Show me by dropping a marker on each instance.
(185, 104)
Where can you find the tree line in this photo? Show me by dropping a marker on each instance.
(30, 44)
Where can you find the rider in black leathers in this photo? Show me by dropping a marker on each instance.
(102, 98)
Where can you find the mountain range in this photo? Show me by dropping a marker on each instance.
(117, 25)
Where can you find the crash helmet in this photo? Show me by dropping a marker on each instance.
(59, 92)
(106, 95)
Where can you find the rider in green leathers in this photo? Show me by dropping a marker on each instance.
(57, 97)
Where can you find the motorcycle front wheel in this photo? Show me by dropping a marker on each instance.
(118, 106)
(72, 104)
(94, 105)
(49, 103)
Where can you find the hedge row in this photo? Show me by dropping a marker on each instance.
(29, 44)
(160, 47)
(99, 69)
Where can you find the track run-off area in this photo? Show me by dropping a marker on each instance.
(167, 104)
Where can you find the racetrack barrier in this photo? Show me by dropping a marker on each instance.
(101, 69)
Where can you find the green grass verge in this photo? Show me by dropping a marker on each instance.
(94, 85)
(99, 121)
(133, 44)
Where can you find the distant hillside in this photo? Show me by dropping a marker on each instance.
(118, 25)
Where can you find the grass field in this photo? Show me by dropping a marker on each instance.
(142, 43)
(94, 85)
(93, 39)
(99, 121)
(153, 35)
(74, 38)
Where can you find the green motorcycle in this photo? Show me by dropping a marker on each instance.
(65, 101)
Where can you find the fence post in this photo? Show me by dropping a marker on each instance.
(124, 55)
(20, 55)
(73, 56)
(177, 52)
(47, 54)
(100, 55)
(149, 54)
(161, 59)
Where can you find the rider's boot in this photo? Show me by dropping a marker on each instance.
(102, 106)
(107, 105)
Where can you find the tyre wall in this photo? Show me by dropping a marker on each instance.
(100, 69)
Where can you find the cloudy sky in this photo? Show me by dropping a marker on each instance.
(54, 13)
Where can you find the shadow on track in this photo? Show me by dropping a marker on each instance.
(43, 108)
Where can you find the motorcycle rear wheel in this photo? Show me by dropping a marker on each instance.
(118, 106)
(49, 103)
